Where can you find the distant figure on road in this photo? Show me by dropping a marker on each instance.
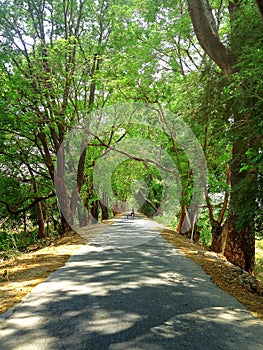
(132, 214)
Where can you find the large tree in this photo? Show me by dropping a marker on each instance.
(51, 55)
(240, 242)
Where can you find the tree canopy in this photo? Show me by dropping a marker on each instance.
(76, 145)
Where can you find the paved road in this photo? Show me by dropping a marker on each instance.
(129, 290)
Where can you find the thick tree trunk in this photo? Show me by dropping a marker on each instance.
(82, 215)
(240, 243)
(104, 211)
(65, 226)
(184, 225)
(240, 240)
(188, 224)
(80, 178)
(180, 221)
(67, 218)
(104, 206)
(94, 212)
(116, 209)
(240, 246)
(64, 204)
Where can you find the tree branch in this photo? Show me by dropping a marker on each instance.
(260, 7)
(206, 32)
(19, 211)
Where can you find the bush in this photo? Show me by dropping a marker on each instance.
(7, 241)
(18, 241)
(259, 260)
(205, 229)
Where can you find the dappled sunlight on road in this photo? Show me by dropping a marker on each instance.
(117, 320)
(147, 296)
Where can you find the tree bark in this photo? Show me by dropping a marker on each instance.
(82, 215)
(40, 217)
(218, 227)
(180, 221)
(184, 224)
(40, 221)
(141, 198)
(94, 211)
(104, 206)
(206, 32)
(80, 178)
(219, 233)
(65, 226)
(240, 246)
(240, 243)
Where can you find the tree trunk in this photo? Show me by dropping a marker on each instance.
(82, 215)
(40, 221)
(181, 219)
(219, 229)
(240, 240)
(240, 246)
(80, 178)
(218, 237)
(240, 243)
(40, 217)
(65, 226)
(195, 235)
(116, 209)
(186, 225)
(64, 203)
(94, 212)
(67, 219)
(104, 206)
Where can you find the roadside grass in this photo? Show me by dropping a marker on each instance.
(259, 260)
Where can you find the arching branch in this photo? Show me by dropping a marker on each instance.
(206, 32)
(29, 206)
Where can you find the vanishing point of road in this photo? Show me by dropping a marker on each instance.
(129, 289)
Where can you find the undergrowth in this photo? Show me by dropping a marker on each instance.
(259, 260)
(11, 242)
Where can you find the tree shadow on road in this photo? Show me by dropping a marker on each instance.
(142, 297)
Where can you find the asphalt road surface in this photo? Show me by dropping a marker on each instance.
(129, 290)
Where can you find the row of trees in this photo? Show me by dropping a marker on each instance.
(194, 145)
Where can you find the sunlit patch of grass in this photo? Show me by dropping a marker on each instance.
(259, 260)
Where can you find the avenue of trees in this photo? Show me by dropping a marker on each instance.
(200, 60)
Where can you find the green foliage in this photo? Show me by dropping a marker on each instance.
(17, 241)
(204, 227)
(60, 64)
(246, 96)
(133, 180)
(259, 259)
(7, 241)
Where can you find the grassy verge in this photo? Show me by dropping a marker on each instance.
(259, 260)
